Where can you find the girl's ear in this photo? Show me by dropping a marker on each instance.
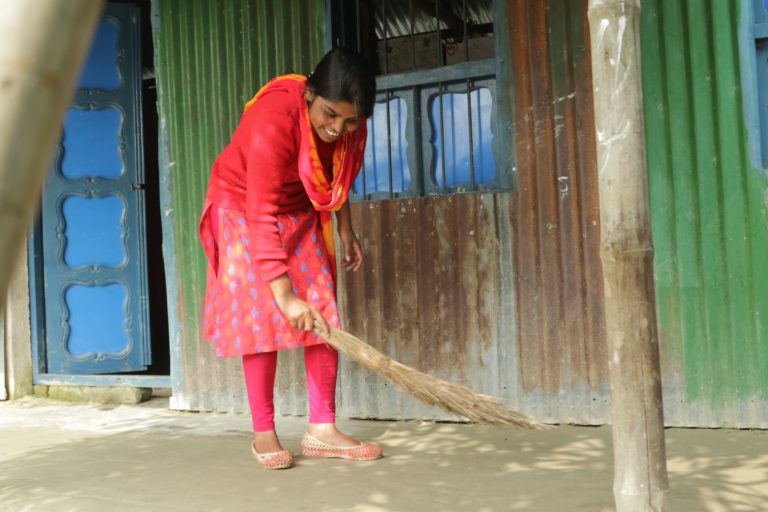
(309, 95)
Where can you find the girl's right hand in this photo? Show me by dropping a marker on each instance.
(300, 314)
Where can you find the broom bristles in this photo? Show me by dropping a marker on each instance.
(454, 398)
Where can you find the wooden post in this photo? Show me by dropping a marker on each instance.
(42, 47)
(640, 471)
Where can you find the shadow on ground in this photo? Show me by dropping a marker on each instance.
(427, 467)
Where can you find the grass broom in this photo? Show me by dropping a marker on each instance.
(454, 398)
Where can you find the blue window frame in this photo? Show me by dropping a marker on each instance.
(754, 68)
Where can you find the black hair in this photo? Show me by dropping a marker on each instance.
(345, 75)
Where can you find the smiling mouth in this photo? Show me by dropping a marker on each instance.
(330, 133)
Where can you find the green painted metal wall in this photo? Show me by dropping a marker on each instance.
(210, 58)
(709, 219)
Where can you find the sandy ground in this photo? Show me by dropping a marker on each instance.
(62, 457)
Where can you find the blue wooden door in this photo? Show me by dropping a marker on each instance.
(93, 229)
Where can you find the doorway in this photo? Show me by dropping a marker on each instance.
(97, 280)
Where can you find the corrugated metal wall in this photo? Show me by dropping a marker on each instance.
(446, 289)
(709, 217)
(436, 293)
(440, 295)
(210, 58)
(557, 224)
(503, 292)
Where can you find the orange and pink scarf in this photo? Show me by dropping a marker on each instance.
(348, 157)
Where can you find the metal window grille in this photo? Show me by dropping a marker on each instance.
(434, 120)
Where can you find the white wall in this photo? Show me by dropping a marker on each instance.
(15, 336)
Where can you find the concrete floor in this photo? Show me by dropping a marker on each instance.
(62, 457)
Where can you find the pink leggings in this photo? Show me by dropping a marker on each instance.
(321, 362)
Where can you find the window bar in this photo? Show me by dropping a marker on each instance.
(363, 169)
(466, 37)
(469, 102)
(357, 26)
(437, 32)
(389, 144)
(384, 17)
(413, 38)
(471, 141)
(442, 133)
(440, 95)
(415, 132)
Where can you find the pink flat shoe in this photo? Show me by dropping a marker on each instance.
(274, 460)
(313, 447)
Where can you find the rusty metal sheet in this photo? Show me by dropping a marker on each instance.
(437, 293)
(557, 263)
(432, 294)
(447, 291)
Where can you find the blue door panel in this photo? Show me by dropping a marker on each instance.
(93, 232)
(91, 144)
(97, 321)
(101, 70)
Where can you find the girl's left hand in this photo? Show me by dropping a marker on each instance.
(353, 252)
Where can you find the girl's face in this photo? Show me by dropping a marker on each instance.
(331, 119)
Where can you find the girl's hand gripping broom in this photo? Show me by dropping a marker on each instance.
(454, 398)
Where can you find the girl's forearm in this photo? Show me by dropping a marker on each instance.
(343, 217)
(281, 288)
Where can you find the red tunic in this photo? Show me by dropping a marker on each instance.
(258, 224)
(258, 173)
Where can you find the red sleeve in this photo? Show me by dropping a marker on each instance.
(272, 147)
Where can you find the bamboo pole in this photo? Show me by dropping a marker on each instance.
(42, 47)
(640, 472)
